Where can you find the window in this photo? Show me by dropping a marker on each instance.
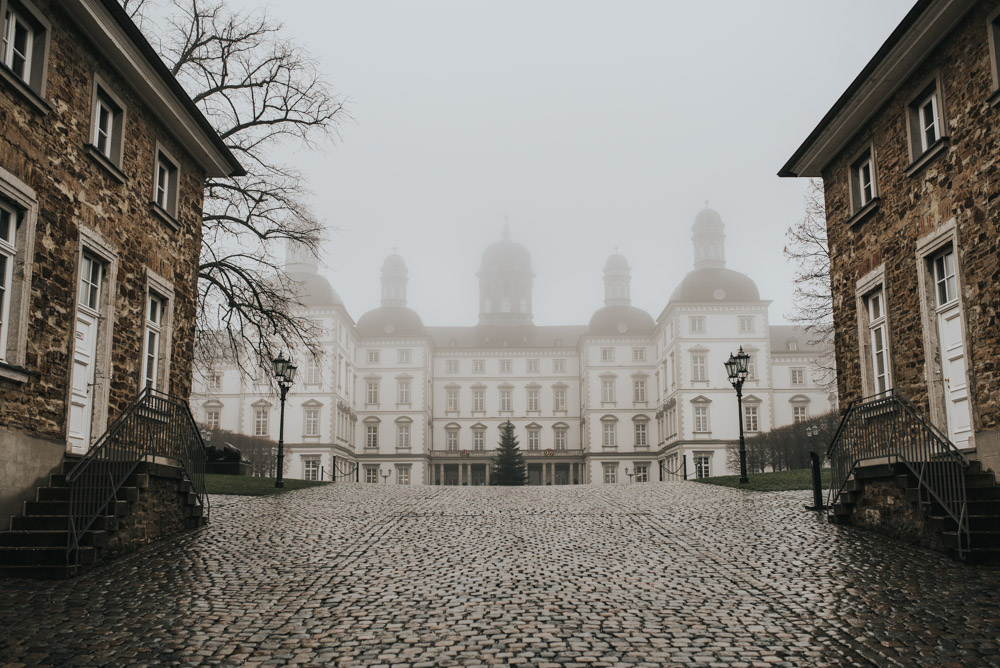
(702, 465)
(608, 390)
(640, 435)
(750, 418)
(403, 392)
(403, 356)
(609, 434)
(642, 472)
(638, 354)
(505, 400)
(946, 288)
(532, 366)
(878, 342)
(560, 439)
(639, 391)
(151, 341)
(374, 356)
(372, 397)
(403, 435)
(793, 346)
(24, 45)
(452, 400)
(798, 376)
(371, 474)
(451, 440)
(863, 189)
(800, 413)
(746, 323)
(610, 473)
(533, 439)
(701, 418)
(314, 374)
(478, 439)
(371, 435)
(403, 474)
(260, 422)
(506, 366)
(752, 367)
(451, 366)
(478, 366)
(533, 403)
(559, 399)
(9, 230)
(213, 417)
(165, 184)
(479, 400)
(558, 366)
(607, 354)
(929, 127)
(214, 380)
(696, 324)
(699, 368)
(108, 125)
(311, 420)
(505, 304)
(310, 468)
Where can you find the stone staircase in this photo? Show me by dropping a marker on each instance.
(870, 491)
(36, 544)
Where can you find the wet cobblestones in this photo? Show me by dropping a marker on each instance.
(630, 575)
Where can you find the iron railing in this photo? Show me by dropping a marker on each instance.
(155, 425)
(888, 429)
(341, 471)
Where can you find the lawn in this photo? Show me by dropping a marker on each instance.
(771, 482)
(252, 486)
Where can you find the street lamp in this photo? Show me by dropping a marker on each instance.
(629, 474)
(736, 368)
(385, 476)
(284, 373)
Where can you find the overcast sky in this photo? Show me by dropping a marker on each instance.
(592, 125)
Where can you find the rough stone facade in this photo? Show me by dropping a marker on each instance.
(959, 186)
(883, 507)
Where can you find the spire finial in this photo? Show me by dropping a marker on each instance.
(506, 228)
(616, 250)
(706, 204)
(393, 249)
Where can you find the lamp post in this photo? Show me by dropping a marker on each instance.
(736, 368)
(629, 474)
(385, 476)
(284, 373)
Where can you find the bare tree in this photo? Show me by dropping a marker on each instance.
(259, 91)
(812, 298)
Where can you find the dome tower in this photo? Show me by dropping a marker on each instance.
(505, 280)
(617, 281)
(709, 237)
(395, 276)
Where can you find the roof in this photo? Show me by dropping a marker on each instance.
(153, 83)
(923, 27)
(621, 320)
(782, 335)
(716, 284)
(314, 290)
(514, 336)
(390, 321)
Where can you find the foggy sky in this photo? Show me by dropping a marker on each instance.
(592, 125)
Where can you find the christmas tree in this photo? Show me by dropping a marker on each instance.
(508, 465)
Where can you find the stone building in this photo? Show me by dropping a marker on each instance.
(908, 158)
(623, 398)
(103, 159)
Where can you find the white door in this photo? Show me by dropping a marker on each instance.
(956, 389)
(953, 365)
(81, 409)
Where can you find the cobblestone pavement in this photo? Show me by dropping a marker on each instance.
(658, 574)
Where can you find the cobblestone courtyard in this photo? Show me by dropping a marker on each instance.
(659, 574)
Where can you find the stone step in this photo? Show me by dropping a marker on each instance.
(875, 471)
(841, 509)
(983, 493)
(980, 555)
(979, 480)
(57, 572)
(849, 498)
(50, 539)
(42, 556)
(56, 523)
(57, 480)
(944, 523)
(854, 485)
(52, 494)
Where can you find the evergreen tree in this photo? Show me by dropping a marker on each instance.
(508, 465)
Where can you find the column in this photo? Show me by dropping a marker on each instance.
(463, 474)
(550, 471)
(487, 474)
(437, 474)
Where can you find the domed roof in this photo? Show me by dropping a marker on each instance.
(314, 290)
(616, 261)
(621, 319)
(707, 218)
(392, 321)
(506, 255)
(716, 284)
(394, 262)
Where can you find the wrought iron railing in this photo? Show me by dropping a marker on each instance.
(888, 429)
(341, 471)
(155, 425)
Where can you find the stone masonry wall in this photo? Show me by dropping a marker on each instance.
(962, 183)
(46, 151)
(883, 507)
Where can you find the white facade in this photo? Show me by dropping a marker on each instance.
(623, 399)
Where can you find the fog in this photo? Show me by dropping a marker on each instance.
(589, 125)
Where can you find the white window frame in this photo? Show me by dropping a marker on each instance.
(797, 375)
(641, 435)
(478, 439)
(506, 366)
(702, 419)
(534, 439)
(451, 440)
(696, 324)
(559, 399)
(800, 413)
(609, 433)
(371, 474)
(403, 474)
(451, 366)
(607, 354)
(403, 356)
(699, 367)
(374, 356)
(152, 347)
(559, 438)
(452, 399)
(310, 421)
(506, 399)
(479, 400)
(608, 390)
(639, 354)
(166, 183)
(702, 464)
(213, 417)
(534, 403)
(878, 341)
(641, 472)
(478, 366)
(403, 435)
(751, 417)
(371, 435)
(531, 366)
(34, 72)
(113, 134)
(21, 205)
(610, 471)
(639, 390)
(372, 393)
(559, 366)
(403, 392)
(262, 421)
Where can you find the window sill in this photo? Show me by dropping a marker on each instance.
(403, 405)
(994, 98)
(864, 212)
(939, 147)
(608, 404)
(105, 162)
(164, 215)
(26, 91)
(16, 373)
(559, 411)
(637, 404)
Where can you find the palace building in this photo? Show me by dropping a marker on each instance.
(625, 398)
